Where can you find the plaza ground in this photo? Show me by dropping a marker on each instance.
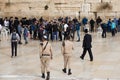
(26, 66)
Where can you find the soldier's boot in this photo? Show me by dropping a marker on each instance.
(48, 76)
(64, 70)
(69, 72)
(43, 75)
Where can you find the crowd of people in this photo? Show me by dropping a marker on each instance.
(62, 29)
(57, 28)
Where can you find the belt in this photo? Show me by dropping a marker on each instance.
(14, 40)
(45, 54)
(65, 53)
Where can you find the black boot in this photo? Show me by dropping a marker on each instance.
(48, 76)
(43, 75)
(78, 40)
(64, 70)
(69, 72)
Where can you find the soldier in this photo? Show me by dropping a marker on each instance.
(45, 56)
(67, 47)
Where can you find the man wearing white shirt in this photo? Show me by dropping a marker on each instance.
(65, 30)
(6, 23)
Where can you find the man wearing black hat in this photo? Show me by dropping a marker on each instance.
(87, 45)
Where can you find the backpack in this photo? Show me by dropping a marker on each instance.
(14, 37)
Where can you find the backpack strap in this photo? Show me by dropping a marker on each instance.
(63, 44)
(45, 46)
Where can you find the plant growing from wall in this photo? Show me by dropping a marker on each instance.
(8, 3)
(46, 7)
(105, 6)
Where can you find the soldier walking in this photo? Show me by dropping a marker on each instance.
(67, 47)
(45, 56)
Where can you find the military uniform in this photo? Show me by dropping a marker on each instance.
(46, 56)
(67, 54)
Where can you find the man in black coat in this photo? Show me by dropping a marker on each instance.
(92, 22)
(87, 45)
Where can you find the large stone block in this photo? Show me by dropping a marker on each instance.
(68, 1)
(94, 7)
(2, 6)
(1, 14)
(116, 7)
(28, 1)
(3, 1)
(38, 5)
(106, 15)
(107, 0)
(88, 15)
(115, 1)
(93, 1)
(13, 8)
(85, 7)
(69, 5)
(117, 14)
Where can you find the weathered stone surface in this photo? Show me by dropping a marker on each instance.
(57, 8)
(116, 7)
(85, 7)
(107, 0)
(89, 15)
(115, 1)
(107, 15)
(93, 1)
(3, 1)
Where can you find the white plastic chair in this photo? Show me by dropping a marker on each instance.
(5, 33)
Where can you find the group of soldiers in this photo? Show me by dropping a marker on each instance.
(46, 54)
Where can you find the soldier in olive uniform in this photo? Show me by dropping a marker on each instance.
(67, 48)
(45, 56)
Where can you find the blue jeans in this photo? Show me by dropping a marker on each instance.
(25, 38)
(55, 34)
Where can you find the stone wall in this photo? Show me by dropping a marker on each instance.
(56, 8)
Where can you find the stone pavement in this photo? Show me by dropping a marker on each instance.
(26, 66)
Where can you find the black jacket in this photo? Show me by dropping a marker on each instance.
(104, 27)
(87, 41)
